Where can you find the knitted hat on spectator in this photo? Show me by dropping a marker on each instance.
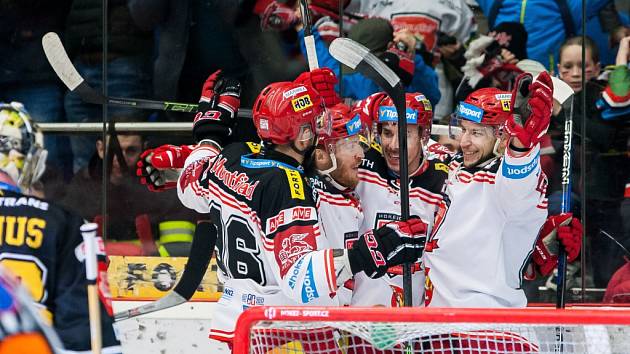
(618, 289)
(513, 37)
(374, 33)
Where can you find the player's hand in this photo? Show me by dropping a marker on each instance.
(393, 244)
(563, 227)
(532, 104)
(158, 168)
(218, 106)
(323, 80)
(278, 17)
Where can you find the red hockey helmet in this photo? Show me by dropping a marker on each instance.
(283, 108)
(347, 125)
(489, 106)
(419, 112)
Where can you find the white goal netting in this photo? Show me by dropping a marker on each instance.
(443, 331)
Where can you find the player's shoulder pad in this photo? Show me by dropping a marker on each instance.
(433, 178)
(241, 148)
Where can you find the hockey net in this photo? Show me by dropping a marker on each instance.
(276, 330)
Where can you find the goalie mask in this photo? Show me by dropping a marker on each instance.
(22, 153)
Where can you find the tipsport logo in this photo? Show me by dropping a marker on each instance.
(354, 126)
(469, 112)
(389, 114)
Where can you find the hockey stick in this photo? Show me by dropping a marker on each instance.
(60, 62)
(359, 58)
(198, 260)
(88, 232)
(565, 205)
(309, 40)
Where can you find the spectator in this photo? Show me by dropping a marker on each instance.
(129, 54)
(25, 74)
(604, 168)
(378, 36)
(548, 23)
(428, 20)
(133, 213)
(491, 59)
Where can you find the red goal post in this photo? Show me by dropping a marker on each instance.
(345, 330)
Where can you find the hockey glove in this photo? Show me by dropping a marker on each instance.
(218, 106)
(368, 108)
(278, 17)
(323, 80)
(393, 244)
(563, 227)
(158, 168)
(401, 62)
(531, 106)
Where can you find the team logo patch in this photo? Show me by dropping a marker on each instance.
(441, 167)
(417, 23)
(301, 103)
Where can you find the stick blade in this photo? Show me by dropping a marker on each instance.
(59, 60)
(171, 299)
(353, 54)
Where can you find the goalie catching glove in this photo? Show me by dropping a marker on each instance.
(218, 106)
(563, 227)
(393, 244)
(158, 168)
(531, 104)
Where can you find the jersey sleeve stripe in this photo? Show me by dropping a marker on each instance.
(331, 276)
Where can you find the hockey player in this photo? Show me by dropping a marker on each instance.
(270, 250)
(494, 203)
(334, 176)
(22, 330)
(41, 242)
(379, 187)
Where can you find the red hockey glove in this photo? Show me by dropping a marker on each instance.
(531, 106)
(277, 16)
(401, 62)
(393, 244)
(563, 227)
(158, 168)
(327, 29)
(218, 106)
(323, 80)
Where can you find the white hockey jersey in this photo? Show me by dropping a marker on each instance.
(269, 248)
(484, 233)
(340, 215)
(425, 17)
(379, 191)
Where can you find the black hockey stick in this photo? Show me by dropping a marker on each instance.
(198, 260)
(60, 62)
(359, 58)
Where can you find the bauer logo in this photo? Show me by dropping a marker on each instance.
(469, 112)
(520, 171)
(354, 125)
(309, 290)
(293, 92)
(389, 114)
(301, 103)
